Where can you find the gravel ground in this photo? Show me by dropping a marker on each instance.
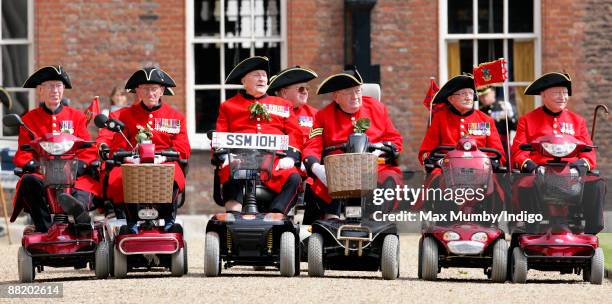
(244, 285)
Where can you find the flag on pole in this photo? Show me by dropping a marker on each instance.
(433, 88)
(490, 73)
(93, 109)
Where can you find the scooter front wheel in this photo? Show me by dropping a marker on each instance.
(102, 260)
(287, 254)
(429, 259)
(25, 266)
(389, 261)
(212, 263)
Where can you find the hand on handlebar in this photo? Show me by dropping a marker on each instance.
(529, 167)
(31, 166)
(319, 171)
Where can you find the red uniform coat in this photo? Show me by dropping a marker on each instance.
(42, 121)
(169, 131)
(332, 127)
(235, 117)
(448, 126)
(541, 122)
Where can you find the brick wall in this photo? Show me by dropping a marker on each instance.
(101, 44)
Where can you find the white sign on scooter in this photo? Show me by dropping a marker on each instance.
(250, 141)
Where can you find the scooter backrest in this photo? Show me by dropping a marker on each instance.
(371, 90)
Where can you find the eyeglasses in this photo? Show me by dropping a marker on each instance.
(52, 86)
(351, 92)
(302, 89)
(465, 94)
(559, 94)
(150, 89)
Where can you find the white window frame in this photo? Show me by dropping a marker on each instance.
(11, 141)
(199, 140)
(445, 37)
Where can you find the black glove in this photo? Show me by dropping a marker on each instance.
(391, 159)
(529, 166)
(580, 165)
(31, 166)
(430, 163)
(218, 157)
(103, 151)
(81, 168)
(495, 165)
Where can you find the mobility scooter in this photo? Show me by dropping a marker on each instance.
(253, 237)
(460, 243)
(64, 244)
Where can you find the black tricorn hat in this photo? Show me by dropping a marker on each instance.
(453, 85)
(5, 98)
(248, 65)
(150, 75)
(346, 79)
(290, 76)
(52, 72)
(550, 80)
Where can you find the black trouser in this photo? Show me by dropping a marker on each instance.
(33, 191)
(593, 199)
(233, 190)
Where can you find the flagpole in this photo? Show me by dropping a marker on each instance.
(430, 104)
(506, 104)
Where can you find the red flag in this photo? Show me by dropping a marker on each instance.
(93, 109)
(433, 88)
(490, 72)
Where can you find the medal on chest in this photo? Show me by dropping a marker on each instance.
(567, 128)
(305, 121)
(167, 125)
(479, 128)
(278, 110)
(67, 126)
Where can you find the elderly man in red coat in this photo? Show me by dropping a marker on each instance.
(51, 116)
(335, 122)
(235, 116)
(551, 118)
(168, 128)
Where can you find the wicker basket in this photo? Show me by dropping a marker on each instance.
(351, 174)
(147, 183)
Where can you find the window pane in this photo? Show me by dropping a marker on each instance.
(521, 64)
(490, 49)
(206, 59)
(520, 14)
(14, 19)
(20, 106)
(490, 16)
(272, 51)
(206, 109)
(460, 16)
(466, 51)
(14, 65)
(234, 54)
(206, 17)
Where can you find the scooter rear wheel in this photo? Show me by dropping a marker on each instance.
(389, 261)
(499, 267)
(429, 259)
(25, 266)
(177, 262)
(287, 254)
(519, 266)
(212, 263)
(315, 256)
(597, 267)
(119, 263)
(102, 260)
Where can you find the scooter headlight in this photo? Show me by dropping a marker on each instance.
(352, 212)
(57, 148)
(479, 237)
(450, 236)
(148, 214)
(559, 150)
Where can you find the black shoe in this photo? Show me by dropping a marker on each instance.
(73, 207)
(125, 229)
(175, 228)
